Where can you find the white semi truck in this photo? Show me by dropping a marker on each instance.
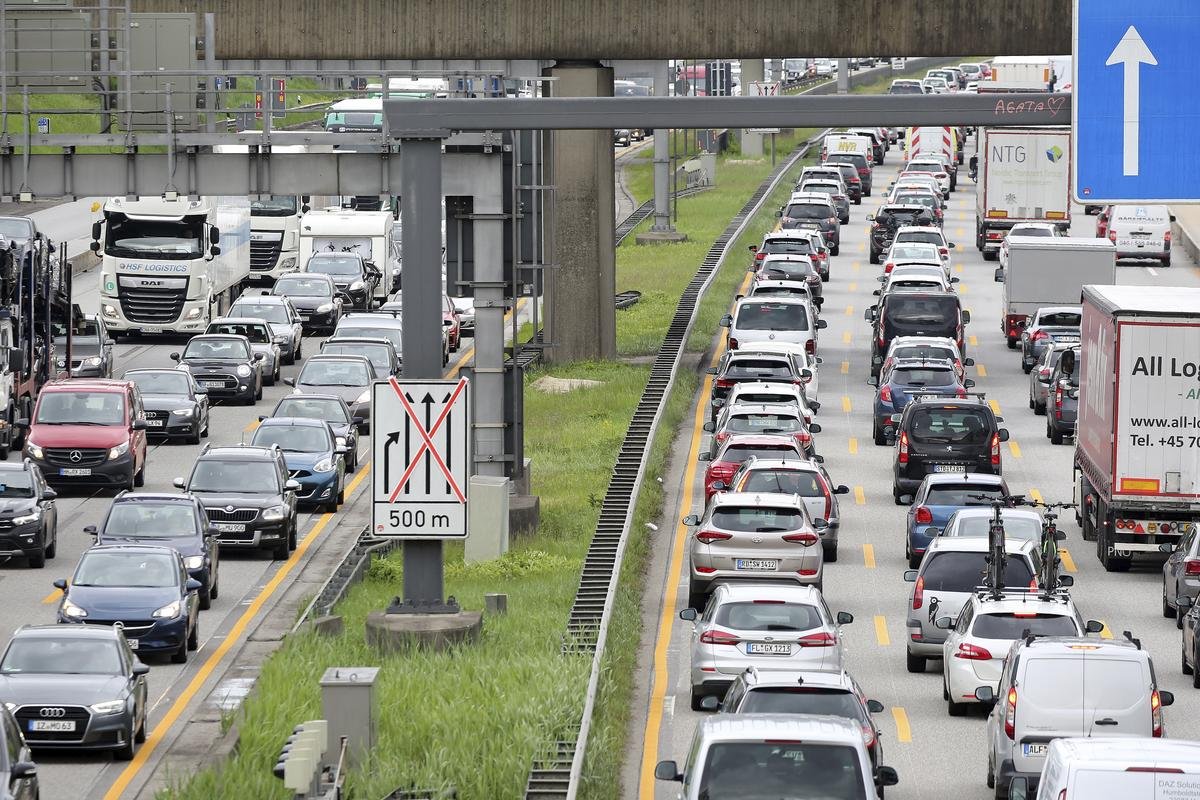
(275, 236)
(1024, 175)
(171, 265)
(1137, 451)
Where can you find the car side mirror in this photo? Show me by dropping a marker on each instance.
(969, 383)
(22, 769)
(709, 427)
(109, 342)
(985, 694)
(820, 524)
(872, 381)
(753, 249)
(955, 280)
(1166, 698)
(806, 374)
(692, 520)
(259, 356)
(1093, 626)
(719, 486)
(841, 488)
(951, 245)
(211, 530)
(906, 499)
(998, 275)
(910, 576)
(688, 614)
(1003, 433)
(1184, 602)
(139, 425)
(779, 213)
(844, 618)
(91, 530)
(886, 776)
(870, 217)
(814, 428)
(49, 494)
(174, 356)
(290, 381)
(705, 456)
(1018, 789)
(179, 483)
(968, 362)
(141, 668)
(726, 321)
(710, 371)
(1060, 536)
(667, 771)
(710, 703)
(966, 317)
(874, 706)
(877, 292)
(869, 313)
(822, 324)
(61, 585)
(292, 486)
(193, 585)
(1172, 218)
(819, 459)
(1066, 581)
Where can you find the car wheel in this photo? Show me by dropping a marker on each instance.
(1167, 611)
(257, 394)
(140, 736)
(991, 778)
(280, 551)
(697, 698)
(914, 663)
(1195, 672)
(37, 558)
(1187, 668)
(140, 478)
(193, 639)
(180, 656)
(341, 498)
(206, 598)
(1039, 409)
(194, 436)
(831, 553)
(269, 380)
(125, 752)
(956, 709)
(1166, 262)
(990, 255)
(1026, 367)
(836, 249)
(877, 435)
(1179, 614)
(872, 257)
(896, 496)
(1056, 436)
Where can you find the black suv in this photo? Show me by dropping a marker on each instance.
(28, 515)
(891, 218)
(915, 314)
(937, 435)
(354, 276)
(224, 365)
(248, 497)
(166, 520)
(738, 366)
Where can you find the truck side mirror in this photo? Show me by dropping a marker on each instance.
(215, 250)
(214, 235)
(96, 231)
(966, 317)
(999, 274)
(16, 359)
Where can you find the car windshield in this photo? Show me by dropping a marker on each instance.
(801, 700)
(764, 423)
(220, 349)
(1060, 319)
(81, 408)
(781, 270)
(784, 481)
(926, 309)
(928, 237)
(151, 519)
(293, 438)
(84, 329)
(352, 328)
(963, 494)
(140, 570)
(334, 372)
(271, 312)
(772, 770)
(334, 265)
(962, 572)
(741, 452)
(747, 368)
(808, 211)
(302, 287)
(16, 483)
(213, 475)
(35, 655)
(1014, 528)
(768, 615)
(1018, 625)
(921, 376)
(259, 334)
(757, 519)
(950, 426)
(377, 353)
(329, 410)
(276, 205)
(772, 317)
(172, 382)
(790, 247)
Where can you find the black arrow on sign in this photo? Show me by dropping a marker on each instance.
(407, 441)
(393, 438)
(428, 401)
(449, 440)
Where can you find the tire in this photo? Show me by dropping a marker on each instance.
(697, 698)
(696, 600)
(1195, 673)
(836, 249)
(214, 591)
(991, 255)
(1111, 563)
(280, 551)
(914, 561)
(140, 735)
(1039, 409)
(270, 379)
(139, 479)
(873, 258)
(956, 709)
(914, 663)
(341, 498)
(877, 435)
(291, 539)
(180, 656)
(991, 778)
(1166, 262)
(52, 547)
(194, 438)
(1056, 436)
(1012, 343)
(205, 598)
(1167, 611)
(126, 751)
(37, 558)
(193, 639)
(257, 394)
(831, 554)
(1026, 368)
(1179, 619)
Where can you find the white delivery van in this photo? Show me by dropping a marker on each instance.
(847, 143)
(1117, 769)
(1141, 232)
(368, 233)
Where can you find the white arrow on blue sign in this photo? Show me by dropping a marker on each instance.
(1135, 115)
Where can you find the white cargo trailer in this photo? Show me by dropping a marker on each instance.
(1050, 271)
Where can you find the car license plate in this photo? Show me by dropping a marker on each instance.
(1066, 338)
(763, 564)
(75, 472)
(949, 468)
(155, 423)
(768, 649)
(231, 527)
(213, 384)
(133, 643)
(1034, 749)
(53, 725)
(152, 330)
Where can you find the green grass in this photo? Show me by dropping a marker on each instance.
(300, 91)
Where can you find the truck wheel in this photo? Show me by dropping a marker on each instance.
(1110, 561)
(1012, 342)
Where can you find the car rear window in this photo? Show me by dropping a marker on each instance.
(923, 376)
(764, 423)
(765, 397)
(743, 368)
(768, 616)
(1016, 625)
(770, 316)
(962, 494)
(788, 270)
(928, 309)
(1086, 682)
(928, 237)
(742, 452)
(896, 218)
(857, 159)
(757, 519)
(950, 425)
(771, 769)
(926, 200)
(801, 700)
(808, 211)
(923, 351)
(784, 481)
(793, 290)
(1014, 528)
(906, 88)
(790, 247)
(1061, 319)
(962, 572)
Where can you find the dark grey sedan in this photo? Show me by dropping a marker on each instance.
(1039, 377)
(91, 348)
(347, 377)
(76, 687)
(1050, 325)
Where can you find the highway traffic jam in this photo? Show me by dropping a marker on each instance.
(204, 414)
(926, 574)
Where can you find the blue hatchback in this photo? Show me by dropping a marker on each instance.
(909, 377)
(937, 498)
(313, 457)
(145, 588)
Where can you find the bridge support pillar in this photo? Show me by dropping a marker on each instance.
(581, 318)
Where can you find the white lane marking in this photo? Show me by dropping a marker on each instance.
(1152, 271)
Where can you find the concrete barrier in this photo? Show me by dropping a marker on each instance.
(1185, 230)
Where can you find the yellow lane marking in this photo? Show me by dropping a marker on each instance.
(973, 341)
(958, 268)
(849, 311)
(869, 556)
(469, 353)
(853, 446)
(1067, 561)
(853, 286)
(995, 406)
(1105, 633)
(903, 731)
(252, 426)
(962, 288)
(856, 266)
(845, 367)
(846, 403)
(860, 497)
(982, 370)
(53, 597)
(1036, 496)
(881, 634)
(233, 637)
(846, 337)
(1014, 448)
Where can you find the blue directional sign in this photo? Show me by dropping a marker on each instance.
(1136, 107)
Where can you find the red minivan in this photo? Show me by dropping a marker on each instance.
(88, 433)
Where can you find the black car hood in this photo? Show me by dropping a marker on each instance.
(78, 349)
(347, 393)
(15, 506)
(310, 303)
(60, 689)
(238, 499)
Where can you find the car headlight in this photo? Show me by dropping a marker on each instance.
(92, 361)
(365, 397)
(108, 707)
(10, 706)
(244, 370)
(32, 516)
(33, 450)
(288, 263)
(194, 562)
(324, 465)
(357, 286)
(170, 611)
(340, 441)
(325, 308)
(281, 339)
(109, 311)
(182, 412)
(118, 451)
(274, 513)
(193, 313)
(72, 611)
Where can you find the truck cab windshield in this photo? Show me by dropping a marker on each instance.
(167, 239)
(276, 205)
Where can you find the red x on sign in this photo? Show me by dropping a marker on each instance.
(427, 440)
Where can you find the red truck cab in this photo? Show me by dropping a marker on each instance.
(88, 433)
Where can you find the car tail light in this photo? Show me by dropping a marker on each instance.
(868, 734)
(733, 344)
(1156, 714)
(828, 502)
(1058, 402)
(885, 393)
(972, 652)
(720, 637)
(902, 456)
(1165, 527)
(995, 449)
(810, 347)
(1167, 239)
(1191, 566)
(1112, 235)
(1033, 584)
(945, 251)
(822, 639)
(708, 537)
(1010, 714)
(888, 267)
(760, 255)
(1039, 335)
(923, 516)
(724, 383)
(919, 593)
(722, 436)
(806, 538)
(803, 437)
(961, 393)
